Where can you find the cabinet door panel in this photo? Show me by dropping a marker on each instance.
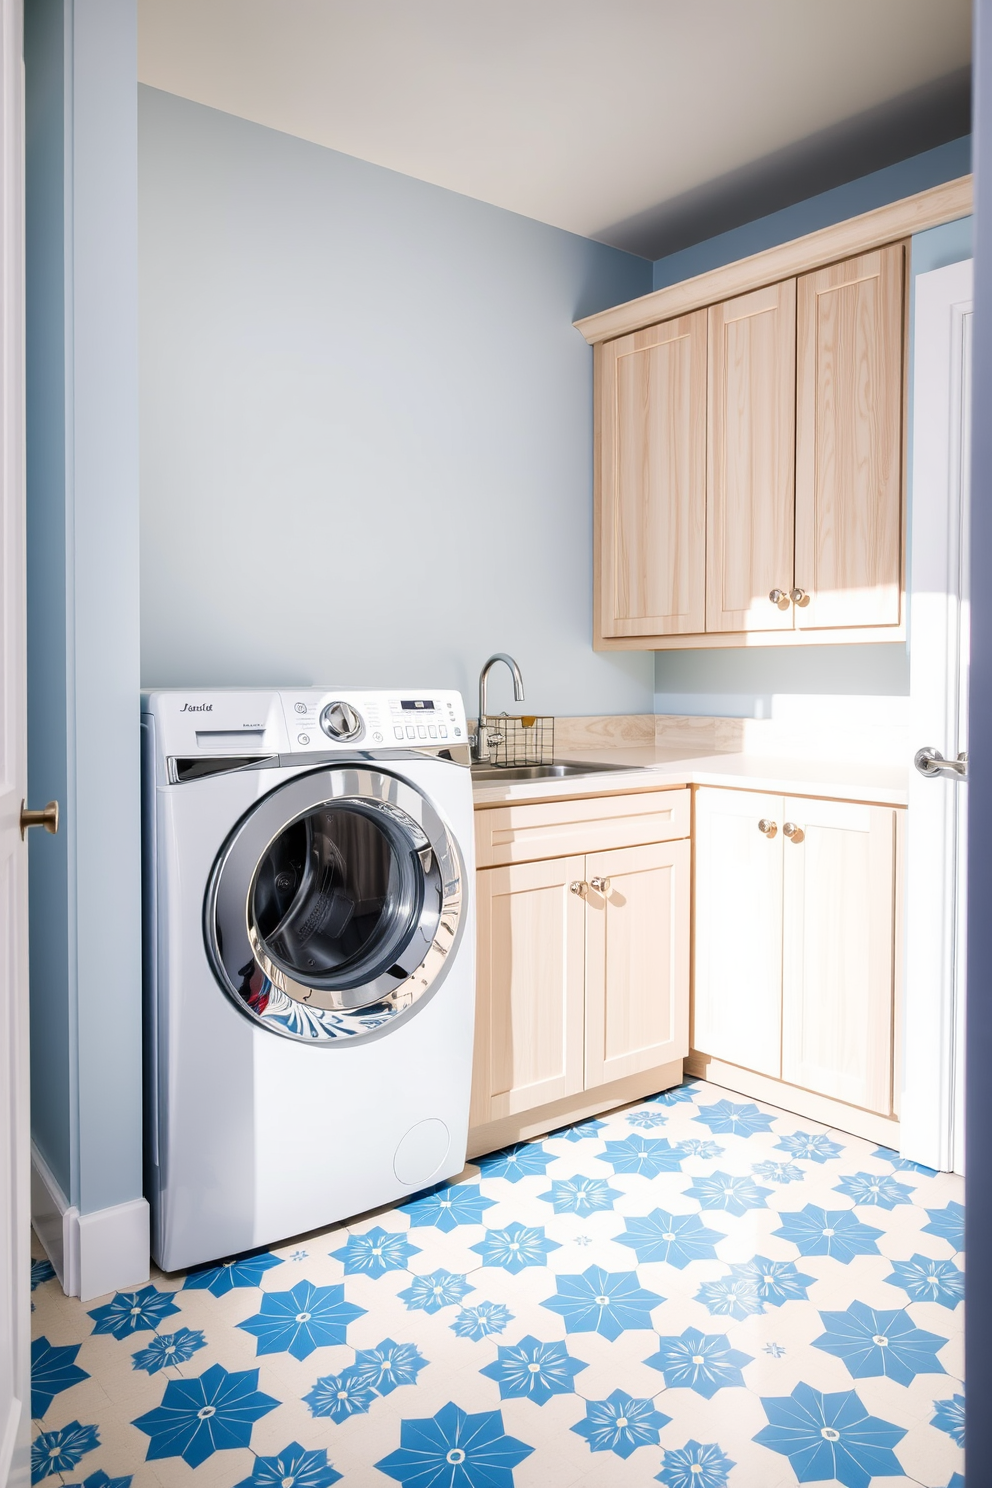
(737, 984)
(530, 1013)
(838, 952)
(849, 442)
(751, 459)
(637, 960)
(652, 463)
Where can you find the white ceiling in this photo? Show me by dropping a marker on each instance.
(629, 121)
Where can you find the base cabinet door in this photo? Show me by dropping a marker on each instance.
(737, 984)
(530, 997)
(838, 970)
(637, 960)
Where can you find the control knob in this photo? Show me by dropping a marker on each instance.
(341, 721)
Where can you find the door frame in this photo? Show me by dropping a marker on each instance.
(932, 1105)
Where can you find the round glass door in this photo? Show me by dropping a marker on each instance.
(334, 904)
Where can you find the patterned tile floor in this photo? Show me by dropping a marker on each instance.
(698, 1290)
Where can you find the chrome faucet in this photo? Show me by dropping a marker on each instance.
(481, 746)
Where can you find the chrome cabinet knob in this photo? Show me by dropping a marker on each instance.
(799, 597)
(794, 832)
(601, 885)
(777, 595)
(48, 818)
(341, 721)
(768, 827)
(579, 887)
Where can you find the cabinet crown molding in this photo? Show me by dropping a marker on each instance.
(856, 235)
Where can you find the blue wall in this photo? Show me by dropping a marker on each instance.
(366, 424)
(80, 70)
(742, 682)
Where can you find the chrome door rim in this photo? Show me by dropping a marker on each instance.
(289, 1006)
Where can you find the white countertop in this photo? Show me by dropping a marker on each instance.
(653, 769)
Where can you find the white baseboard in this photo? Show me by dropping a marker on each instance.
(92, 1254)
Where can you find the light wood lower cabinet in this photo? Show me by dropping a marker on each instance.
(794, 941)
(583, 969)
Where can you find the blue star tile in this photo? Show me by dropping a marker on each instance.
(375, 1252)
(211, 1412)
(60, 1451)
(813, 1147)
(133, 1312)
(580, 1131)
(837, 1233)
(703, 1362)
(873, 1343)
(515, 1247)
(338, 1396)
(580, 1195)
(830, 1437)
(431, 1293)
(699, 1147)
(948, 1415)
(454, 1449)
(41, 1271)
(675, 1238)
(52, 1370)
(647, 1119)
(482, 1320)
(516, 1162)
(388, 1365)
(448, 1206)
(531, 1370)
(738, 1120)
(643, 1155)
(621, 1424)
(168, 1348)
(695, 1466)
(299, 1321)
(722, 1191)
(924, 1280)
(678, 1095)
(902, 1164)
(870, 1188)
(752, 1285)
(730, 1296)
(778, 1172)
(99, 1479)
(948, 1223)
(605, 1302)
(247, 1271)
(293, 1467)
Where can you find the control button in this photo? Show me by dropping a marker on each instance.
(421, 731)
(458, 733)
(398, 732)
(340, 720)
(303, 738)
(411, 732)
(443, 731)
(301, 707)
(432, 731)
(377, 738)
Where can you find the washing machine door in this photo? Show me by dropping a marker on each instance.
(334, 905)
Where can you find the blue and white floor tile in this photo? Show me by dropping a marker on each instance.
(699, 1291)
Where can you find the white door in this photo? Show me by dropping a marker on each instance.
(737, 990)
(14, 1117)
(932, 1108)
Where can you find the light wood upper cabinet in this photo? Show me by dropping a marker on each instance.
(651, 411)
(530, 1008)
(751, 460)
(849, 442)
(637, 960)
(751, 447)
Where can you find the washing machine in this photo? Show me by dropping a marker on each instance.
(309, 958)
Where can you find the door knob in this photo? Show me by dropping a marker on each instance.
(579, 887)
(931, 762)
(768, 827)
(601, 885)
(799, 597)
(793, 832)
(47, 818)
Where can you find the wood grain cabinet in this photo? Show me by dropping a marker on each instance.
(583, 969)
(794, 943)
(750, 466)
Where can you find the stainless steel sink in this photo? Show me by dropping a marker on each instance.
(487, 773)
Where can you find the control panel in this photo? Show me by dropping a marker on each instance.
(371, 720)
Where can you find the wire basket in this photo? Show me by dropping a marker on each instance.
(526, 740)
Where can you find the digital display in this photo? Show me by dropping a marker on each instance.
(417, 705)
